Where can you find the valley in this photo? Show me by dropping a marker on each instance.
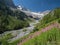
(20, 25)
(21, 33)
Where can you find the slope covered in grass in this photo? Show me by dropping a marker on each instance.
(53, 15)
(51, 37)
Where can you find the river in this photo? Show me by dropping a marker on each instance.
(20, 33)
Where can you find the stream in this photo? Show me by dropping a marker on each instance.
(17, 34)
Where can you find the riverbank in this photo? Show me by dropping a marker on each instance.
(21, 32)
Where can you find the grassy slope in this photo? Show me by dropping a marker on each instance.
(51, 37)
(49, 18)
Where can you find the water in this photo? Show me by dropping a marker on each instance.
(20, 33)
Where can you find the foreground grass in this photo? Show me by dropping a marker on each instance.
(51, 37)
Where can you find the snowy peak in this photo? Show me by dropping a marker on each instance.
(19, 7)
(22, 8)
(33, 14)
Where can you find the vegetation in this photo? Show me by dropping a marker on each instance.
(58, 20)
(18, 40)
(24, 30)
(53, 15)
(4, 39)
(51, 37)
(11, 20)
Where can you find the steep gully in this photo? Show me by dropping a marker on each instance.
(56, 25)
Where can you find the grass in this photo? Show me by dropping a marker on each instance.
(4, 39)
(51, 37)
(43, 39)
(58, 20)
(39, 27)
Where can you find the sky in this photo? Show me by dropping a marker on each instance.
(38, 5)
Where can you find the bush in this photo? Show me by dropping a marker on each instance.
(24, 30)
(58, 20)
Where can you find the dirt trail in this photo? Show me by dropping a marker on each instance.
(57, 25)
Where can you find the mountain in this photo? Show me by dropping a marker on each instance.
(31, 14)
(15, 18)
(22, 8)
(35, 14)
(9, 19)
